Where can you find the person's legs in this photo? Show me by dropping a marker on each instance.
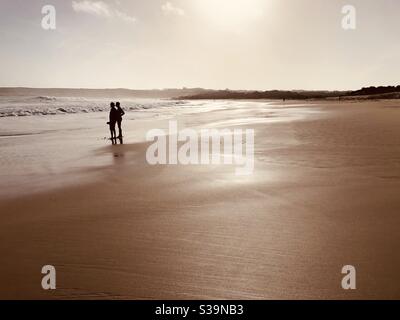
(112, 130)
(120, 128)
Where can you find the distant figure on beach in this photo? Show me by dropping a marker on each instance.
(120, 114)
(113, 120)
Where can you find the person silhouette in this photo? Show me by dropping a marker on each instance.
(113, 120)
(120, 114)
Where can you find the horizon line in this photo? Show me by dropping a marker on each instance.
(189, 88)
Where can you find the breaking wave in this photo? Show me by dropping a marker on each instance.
(43, 105)
(45, 98)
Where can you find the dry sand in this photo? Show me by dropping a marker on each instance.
(324, 194)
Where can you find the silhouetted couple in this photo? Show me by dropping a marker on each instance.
(116, 114)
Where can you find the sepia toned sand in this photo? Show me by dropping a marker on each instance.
(324, 194)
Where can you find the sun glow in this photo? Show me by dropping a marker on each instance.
(232, 14)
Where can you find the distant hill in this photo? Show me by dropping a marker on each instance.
(274, 94)
(389, 92)
(376, 90)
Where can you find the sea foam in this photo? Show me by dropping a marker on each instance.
(44, 105)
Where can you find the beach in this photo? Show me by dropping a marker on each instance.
(324, 194)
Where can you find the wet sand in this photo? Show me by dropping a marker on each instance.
(324, 194)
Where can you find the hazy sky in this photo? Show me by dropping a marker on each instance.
(236, 44)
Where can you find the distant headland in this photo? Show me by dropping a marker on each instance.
(382, 92)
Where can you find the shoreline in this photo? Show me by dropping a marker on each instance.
(324, 194)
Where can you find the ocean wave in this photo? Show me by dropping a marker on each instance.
(66, 107)
(44, 98)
